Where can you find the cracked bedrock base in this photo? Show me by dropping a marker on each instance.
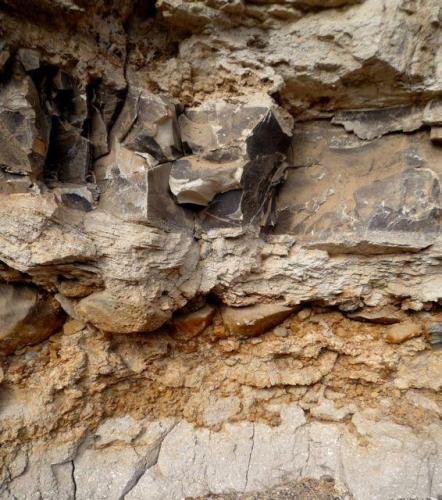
(220, 249)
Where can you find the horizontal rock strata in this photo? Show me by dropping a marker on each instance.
(220, 248)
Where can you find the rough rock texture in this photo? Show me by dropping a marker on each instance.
(220, 248)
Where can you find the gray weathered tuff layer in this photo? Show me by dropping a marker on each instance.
(220, 248)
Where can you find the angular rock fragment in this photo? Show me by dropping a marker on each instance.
(237, 145)
(74, 196)
(253, 320)
(24, 127)
(189, 325)
(423, 371)
(195, 180)
(138, 191)
(69, 154)
(26, 316)
(105, 106)
(120, 312)
(29, 58)
(433, 113)
(387, 315)
(4, 55)
(152, 125)
(134, 176)
(372, 123)
(247, 127)
(14, 183)
(436, 335)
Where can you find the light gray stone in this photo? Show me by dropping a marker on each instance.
(396, 455)
(111, 468)
(218, 411)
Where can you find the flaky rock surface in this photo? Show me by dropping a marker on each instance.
(220, 248)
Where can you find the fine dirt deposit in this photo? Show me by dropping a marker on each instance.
(220, 249)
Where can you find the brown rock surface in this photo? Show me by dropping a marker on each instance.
(26, 316)
(401, 332)
(189, 325)
(253, 320)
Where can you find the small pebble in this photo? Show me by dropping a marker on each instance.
(281, 331)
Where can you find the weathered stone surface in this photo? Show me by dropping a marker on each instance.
(26, 316)
(246, 127)
(253, 320)
(174, 461)
(365, 207)
(237, 146)
(436, 335)
(24, 127)
(13, 183)
(421, 372)
(403, 331)
(341, 66)
(383, 315)
(144, 452)
(370, 124)
(433, 113)
(394, 450)
(436, 135)
(197, 180)
(29, 58)
(143, 109)
(220, 410)
(133, 177)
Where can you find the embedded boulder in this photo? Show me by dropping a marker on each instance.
(253, 320)
(134, 176)
(188, 325)
(26, 316)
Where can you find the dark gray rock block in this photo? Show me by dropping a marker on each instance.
(238, 150)
(348, 195)
(24, 127)
(134, 176)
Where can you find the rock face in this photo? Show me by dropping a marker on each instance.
(220, 248)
